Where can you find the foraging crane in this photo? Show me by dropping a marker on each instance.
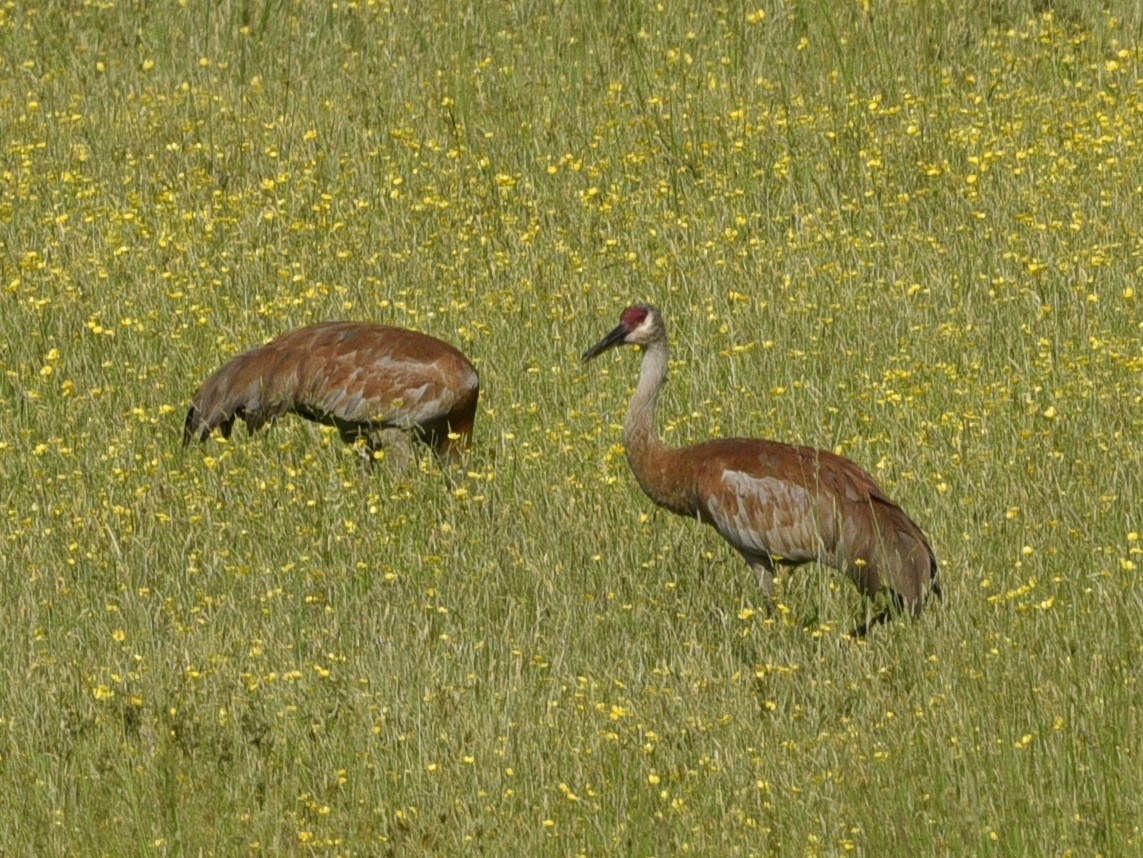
(777, 504)
(372, 382)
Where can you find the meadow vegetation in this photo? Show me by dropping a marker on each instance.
(906, 232)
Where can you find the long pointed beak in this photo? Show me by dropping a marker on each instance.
(615, 338)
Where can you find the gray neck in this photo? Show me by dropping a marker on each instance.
(662, 471)
(639, 424)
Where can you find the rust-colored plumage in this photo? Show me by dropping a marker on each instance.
(776, 504)
(367, 380)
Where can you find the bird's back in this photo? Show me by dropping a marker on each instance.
(771, 498)
(343, 373)
(367, 373)
(797, 504)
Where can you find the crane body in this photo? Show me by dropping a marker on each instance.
(776, 504)
(372, 382)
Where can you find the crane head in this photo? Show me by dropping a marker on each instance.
(639, 324)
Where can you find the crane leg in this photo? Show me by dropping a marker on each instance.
(763, 569)
(396, 442)
(398, 447)
(895, 608)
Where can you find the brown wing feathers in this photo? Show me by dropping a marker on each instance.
(357, 376)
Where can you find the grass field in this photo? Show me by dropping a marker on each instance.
(907, 233)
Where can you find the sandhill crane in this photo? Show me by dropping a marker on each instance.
(371, 382)
(775, 503)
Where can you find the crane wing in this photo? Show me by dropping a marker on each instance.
(765, 515)
(788, 502)
(374, 384)
(354, 375)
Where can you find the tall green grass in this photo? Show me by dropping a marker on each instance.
(908, 233)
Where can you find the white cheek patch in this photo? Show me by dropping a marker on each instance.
(644, 328)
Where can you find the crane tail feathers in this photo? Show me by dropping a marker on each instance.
(935, 578)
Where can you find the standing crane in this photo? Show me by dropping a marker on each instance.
(776, 504)
(371, 382)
